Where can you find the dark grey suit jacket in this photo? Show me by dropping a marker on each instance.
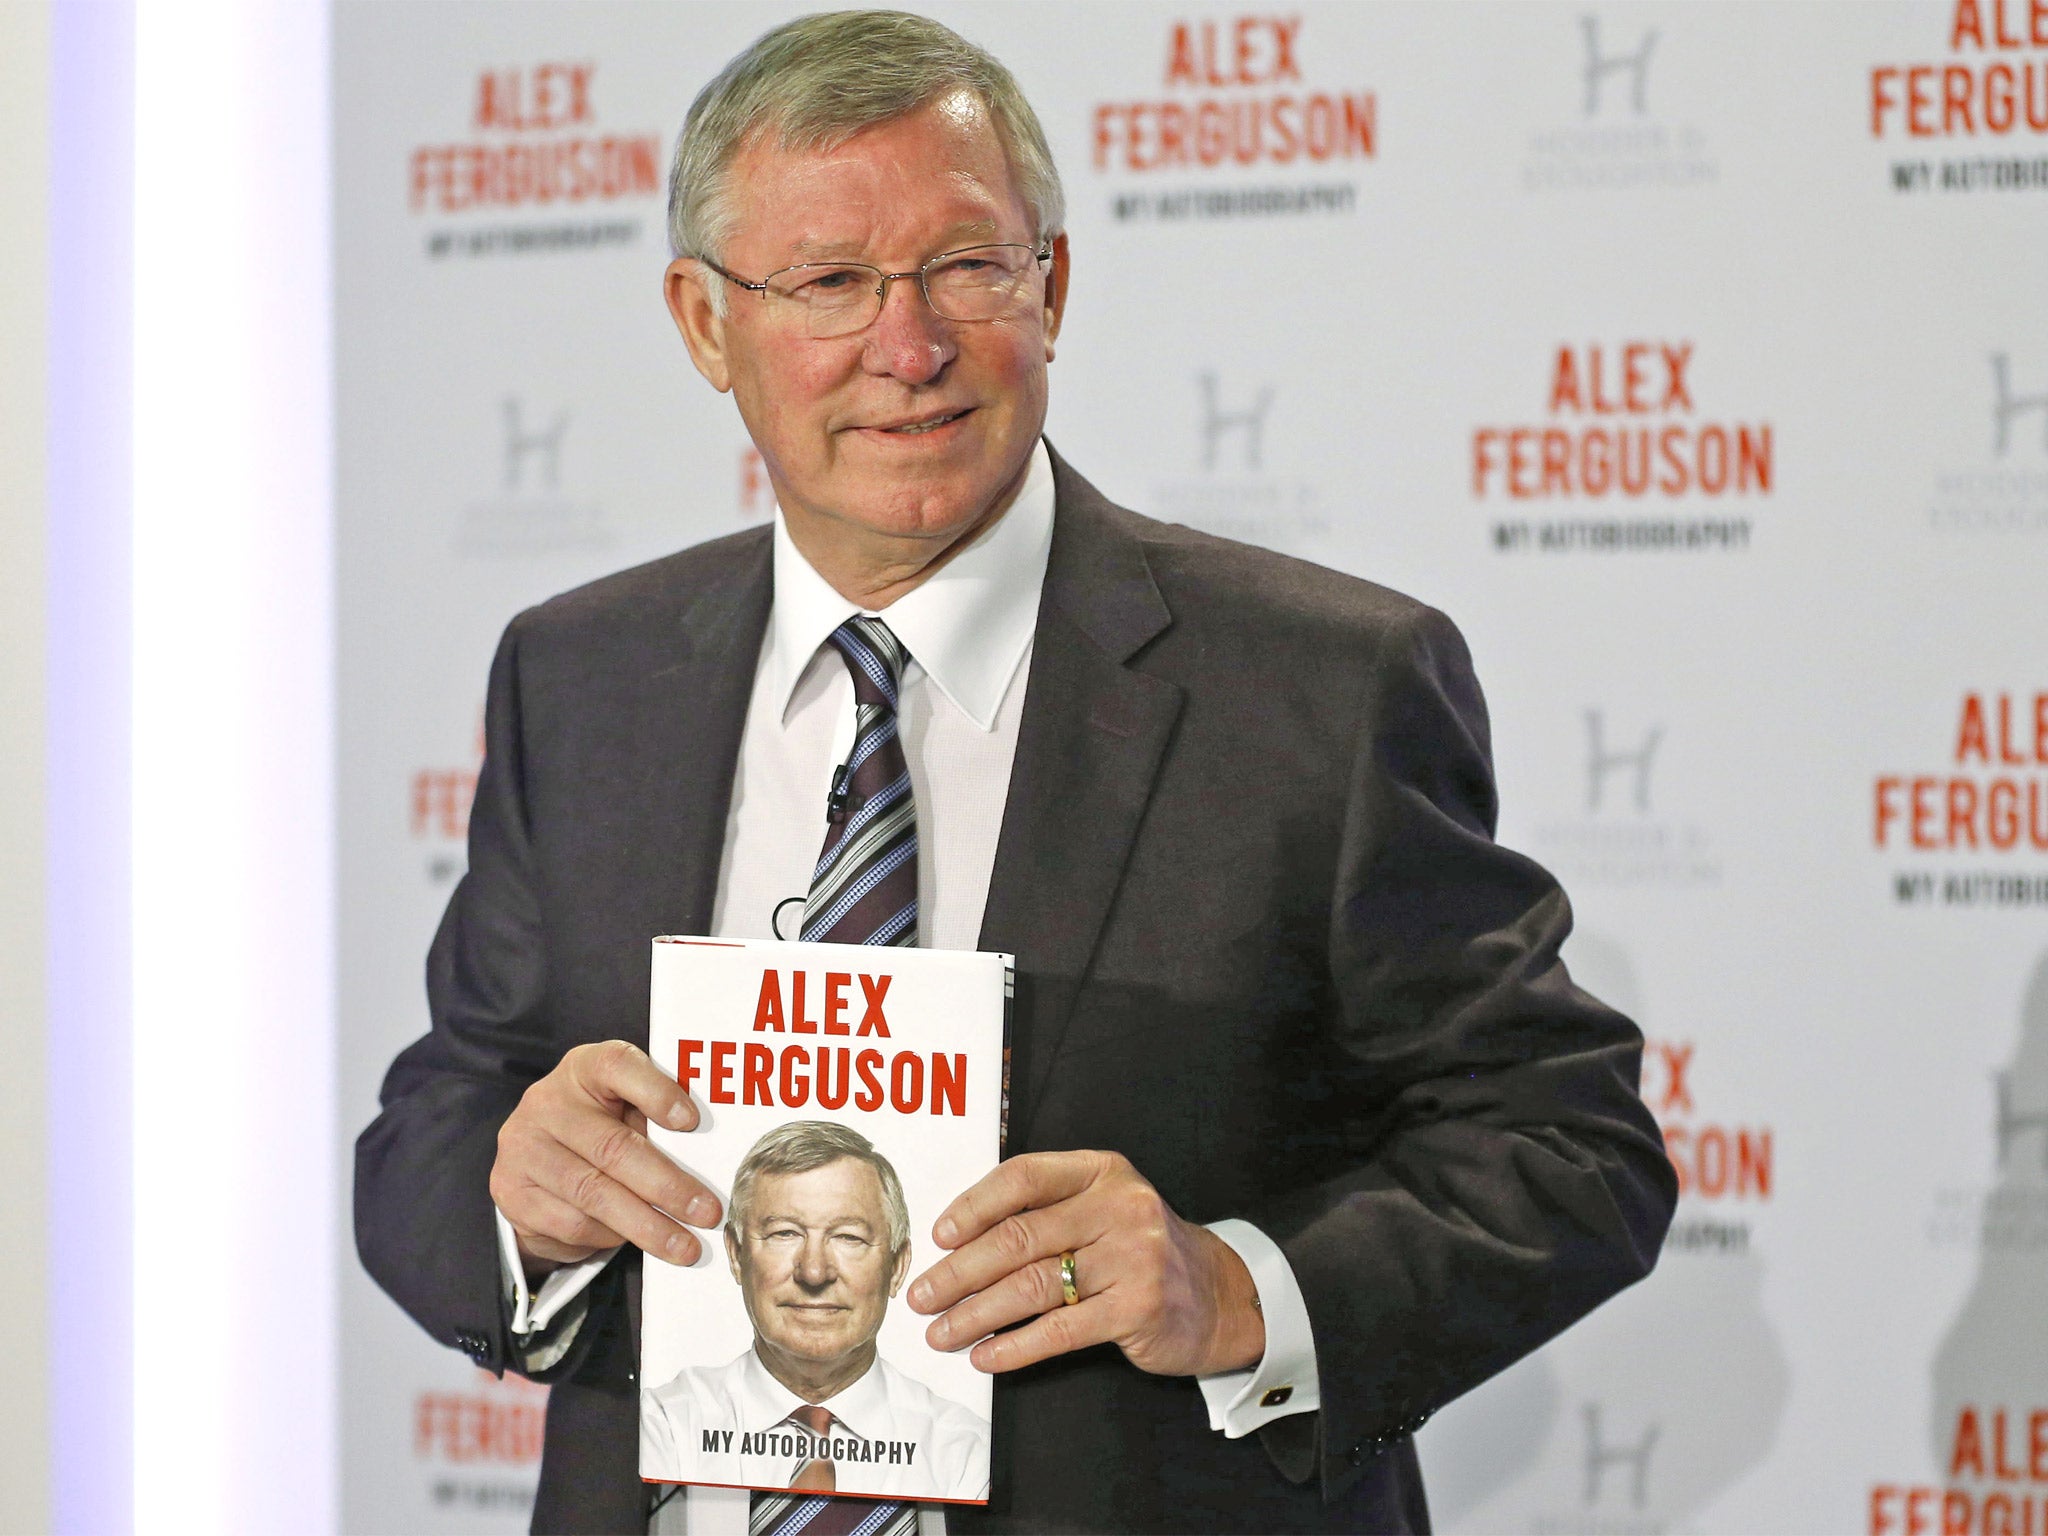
(1266, 947)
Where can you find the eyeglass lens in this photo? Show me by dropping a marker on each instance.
(983, 282)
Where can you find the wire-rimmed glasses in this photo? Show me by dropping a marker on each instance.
(837, 298)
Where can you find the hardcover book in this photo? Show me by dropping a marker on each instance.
(847, 1094)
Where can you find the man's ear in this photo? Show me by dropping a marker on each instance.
(902, 1268)
(732, 1254)
(703, 328)
(1055, 292)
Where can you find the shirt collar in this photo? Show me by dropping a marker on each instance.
(968, 626)
(861, 1408)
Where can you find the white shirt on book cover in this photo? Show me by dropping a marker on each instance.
(918, 1444)
(968, 631)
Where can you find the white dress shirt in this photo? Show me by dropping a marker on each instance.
(911, 1443)
(968, 630)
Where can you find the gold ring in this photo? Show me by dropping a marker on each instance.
(1068, 1294)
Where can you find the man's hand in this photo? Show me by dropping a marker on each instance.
(575, 1174)
(1174, 1297)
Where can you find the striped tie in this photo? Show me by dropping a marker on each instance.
(797, 1514)
(864, 890)
(805, 1514)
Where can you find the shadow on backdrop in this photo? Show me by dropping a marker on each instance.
(1994, 1358)
(1642, 1415)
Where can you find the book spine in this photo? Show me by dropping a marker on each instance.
(1009, 1008)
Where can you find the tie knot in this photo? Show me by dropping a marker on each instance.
(815, 1417)
(875, 657)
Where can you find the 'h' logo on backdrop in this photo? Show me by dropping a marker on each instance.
(1599, 66)
(1600, 762)
(2009, 405)
(520, 444)
(1249, 421)
(2010, 1122)
(1600, 1456)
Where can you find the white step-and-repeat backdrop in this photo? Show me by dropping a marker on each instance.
(1693, 357)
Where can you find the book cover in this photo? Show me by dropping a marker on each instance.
(847, 1094)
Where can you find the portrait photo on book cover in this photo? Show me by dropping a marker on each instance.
(817, 1243)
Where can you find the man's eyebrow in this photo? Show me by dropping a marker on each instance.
(831, 1226)
(968, 232)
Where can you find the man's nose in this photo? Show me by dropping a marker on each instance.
(814, 1267)
(907, 340)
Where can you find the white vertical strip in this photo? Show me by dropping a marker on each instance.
(232, 801)
(24, 305)
(87, 539)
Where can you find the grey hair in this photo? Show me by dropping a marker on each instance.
(819, 80)
(798, 1146)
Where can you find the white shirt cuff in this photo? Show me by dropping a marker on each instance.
(533, 1311)
(1285, 1380)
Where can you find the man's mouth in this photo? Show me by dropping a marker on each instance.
(922, 425)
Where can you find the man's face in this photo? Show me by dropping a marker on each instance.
(814, 1263)
(915, 427)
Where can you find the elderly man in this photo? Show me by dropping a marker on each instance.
(1310, 1131)
(818, 1237)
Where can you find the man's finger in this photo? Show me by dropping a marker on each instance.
(594, 1192)
(631, 1160)
(1057, 1332)
(1012, 1244)
(550, 1228)
(1023, 1183)
(615, 1072)
(1020, 1294)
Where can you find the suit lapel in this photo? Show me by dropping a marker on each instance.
(696, 716)
(1088, 749)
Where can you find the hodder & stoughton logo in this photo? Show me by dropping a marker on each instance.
(1618, 836)
(528, 514)
(2003, 1218)
(1617, 1457)
(1235, 494)
(2007, 490)
(1616, 141)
